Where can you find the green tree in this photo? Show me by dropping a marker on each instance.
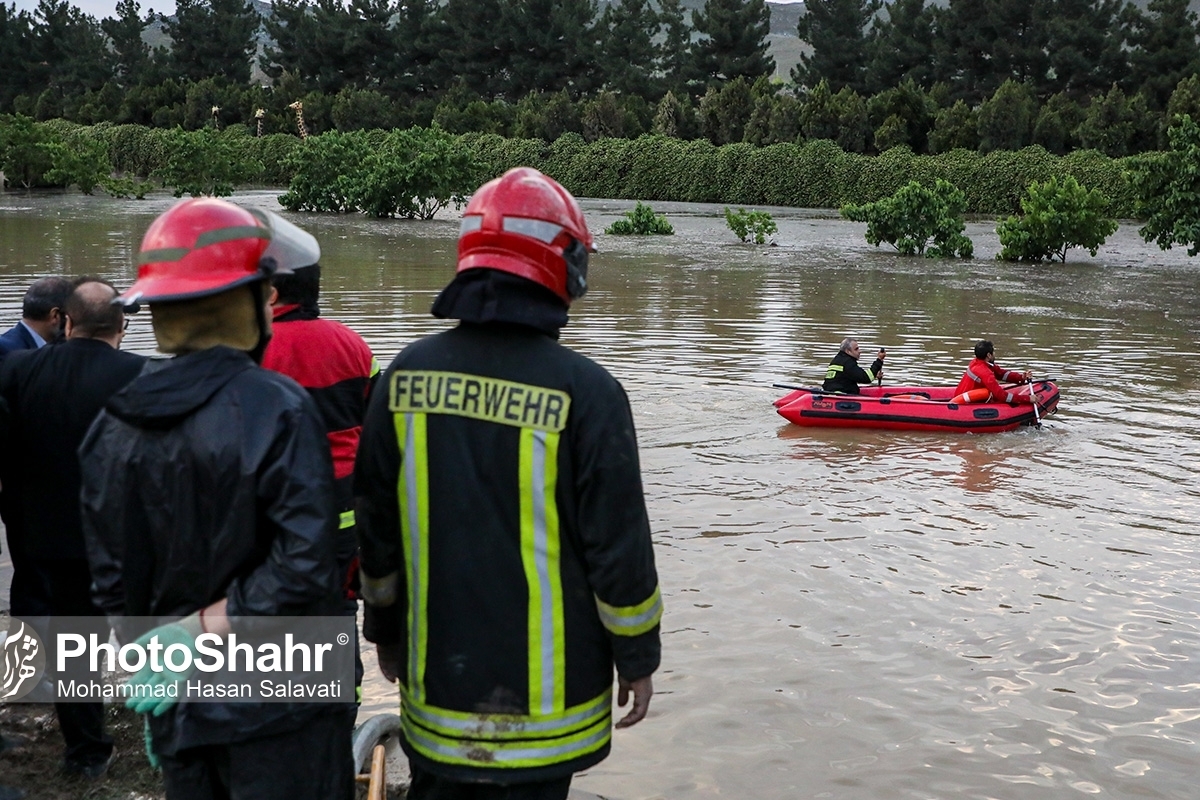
(629, 55)
(641, 221)
(411, 71)
(900, 48)
(413, 174)
(954, 127)
(83, 162)
(1184, 100)
(834, 30)
(363, 109)
(912, 110)
(1163, 49)
(554, 47)
(603, 117)
(674, 117)
(69, 51)
(546, 116)
(980, 44)
(747, 225)
(317, 169)
(1005, 120)
(732, 41)
(917, 220)
(723, 113)
(16, 54)
(1084, 43)
(212, 38)
(23, 158)
(130, 54)
(1057, 124)
(1108, 125)
(205, 162)
(1057, 216)
(1167, 186)
(674, 53)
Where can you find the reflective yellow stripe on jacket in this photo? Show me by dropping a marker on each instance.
(508, 740)
(414, 528)
(632, 620)
(541, 416)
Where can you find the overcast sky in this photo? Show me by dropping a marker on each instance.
(107, 8)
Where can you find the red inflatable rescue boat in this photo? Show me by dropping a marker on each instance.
(914, 408)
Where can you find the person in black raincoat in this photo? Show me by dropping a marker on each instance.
(844, 374)
(507, 563)
(207, 494)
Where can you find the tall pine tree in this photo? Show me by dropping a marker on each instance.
(131, 55)
(212, 38)
(733, 41)
(554, 47)
(835, 29)
(69, 51)
(980, 44)
(16, 53)
(1163, 48)
(900, 48)
(674, 54)
(1084, 41)
(629, 54)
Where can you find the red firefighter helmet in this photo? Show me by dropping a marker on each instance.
(207, 245)
(527, 224)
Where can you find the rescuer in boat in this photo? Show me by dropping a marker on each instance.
(984, 375)
(207, 494)
(507, 565)
(844, 374)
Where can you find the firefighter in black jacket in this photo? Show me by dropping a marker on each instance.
(844, 374)
(506, 555)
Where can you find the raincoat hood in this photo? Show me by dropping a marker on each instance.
(171, 390)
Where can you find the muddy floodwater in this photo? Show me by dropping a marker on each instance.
(849, 614)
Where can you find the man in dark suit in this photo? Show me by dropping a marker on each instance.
(41, 316)
(52, 396)
(41, 322)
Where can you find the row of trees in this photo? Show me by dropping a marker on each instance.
(1060, 74)
(405, 49)
(760, 113)
(1076, 47)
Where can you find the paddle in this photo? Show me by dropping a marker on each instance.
(882, 354)
(1037, 417)
(809, 389)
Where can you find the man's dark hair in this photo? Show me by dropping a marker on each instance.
(44, 295)
(93, 313)
(301, 287)
(983, 348)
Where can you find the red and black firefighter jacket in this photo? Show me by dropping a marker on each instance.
(982, 374)
(336, 367)
(498, 475)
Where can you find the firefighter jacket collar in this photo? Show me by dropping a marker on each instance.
(486, 295)
(170, 390)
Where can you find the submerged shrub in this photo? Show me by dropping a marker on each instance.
(750, 224)
(917, 220)
(641, 221)
(1057, 216)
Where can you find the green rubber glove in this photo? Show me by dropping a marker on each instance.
(151, 756)
(183, 632)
